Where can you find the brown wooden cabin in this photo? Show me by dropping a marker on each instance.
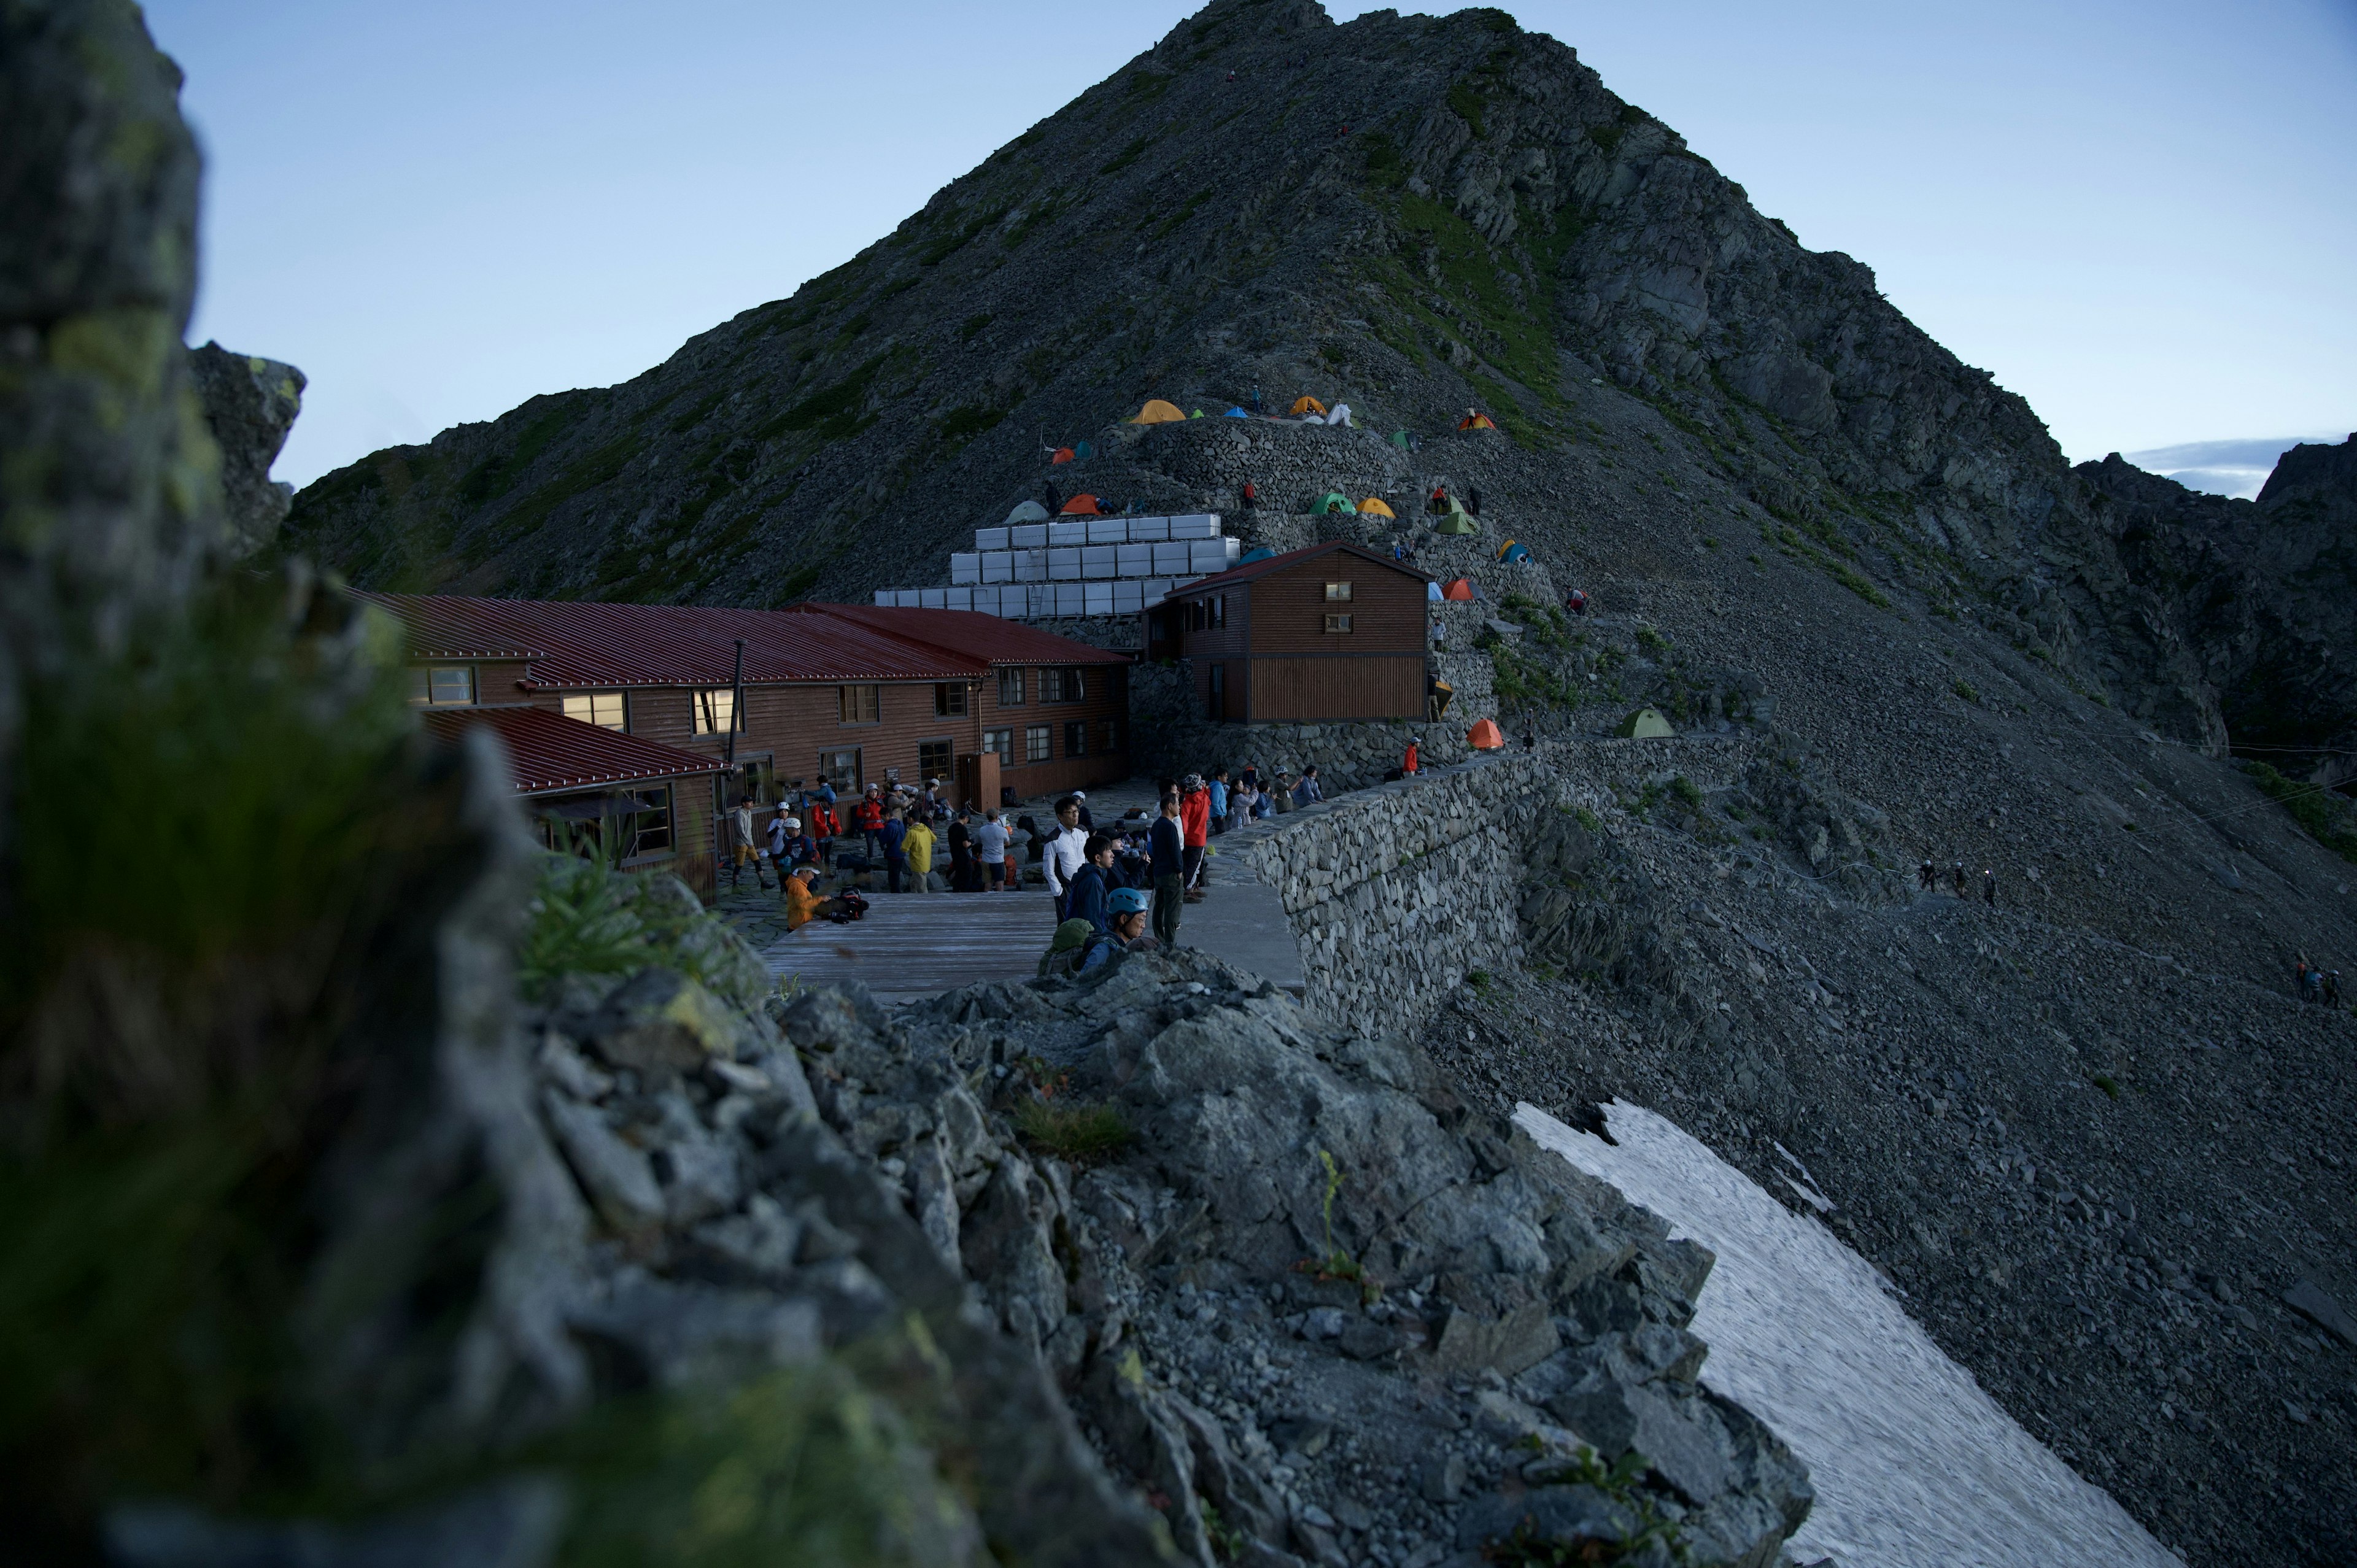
(854, 695)
(1332, 631)
(589, 791)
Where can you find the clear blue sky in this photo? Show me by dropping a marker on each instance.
(2137, 215)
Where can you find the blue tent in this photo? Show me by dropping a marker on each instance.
(1513, 552)
(1236, 413)
(1082, 449)
(1262, 553)
(1432, 592)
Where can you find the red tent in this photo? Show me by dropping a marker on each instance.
(1460, 589)
(1063, 455)
(1476, 422)
(1484, 736)
(1083, 506)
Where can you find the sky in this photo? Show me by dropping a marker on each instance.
(2135, 216)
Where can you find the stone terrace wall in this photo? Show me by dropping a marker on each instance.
(1168, 738)
(1397, 892)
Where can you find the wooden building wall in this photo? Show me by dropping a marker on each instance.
(1282, 665)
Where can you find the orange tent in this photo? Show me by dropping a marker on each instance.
(1460, 589)
(1083, 505)
(1476, 422)
(1063, 455)
(1484, 736)
(1305, 403)
(1158, 412)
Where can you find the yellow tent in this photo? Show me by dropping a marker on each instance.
(1158, 412)
(1373, 506)
(1647, 724)
(1305, 403)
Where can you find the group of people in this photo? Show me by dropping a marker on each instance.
(1927, 877)
(2313, 982)
(903, 832)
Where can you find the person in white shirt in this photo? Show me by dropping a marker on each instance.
(749, 845)
(990, 849)
(1065, 852)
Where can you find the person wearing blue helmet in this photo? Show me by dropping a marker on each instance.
(1077, 950)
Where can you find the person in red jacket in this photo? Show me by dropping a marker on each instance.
(868, 817)
(1195, 831)
(1407, 764)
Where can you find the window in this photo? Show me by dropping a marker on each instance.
(1076, 738)
(1218, 611)
(933, 759)
(1036, 739)
(1215, 707)
(1338, 623)
(627, 825)
(442, 685)
(716, 712)
(1061, 686)
(1338, 593)
(648, 827)
(1010, 688)
(949, 699)
(1108, 736)
(841, 769)
(859, 704)
(1001, 741)
(607, 710)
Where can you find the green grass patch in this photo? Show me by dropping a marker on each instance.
(1468, 104)
(1084, 1135)
(831, 412)
(1124, 158)
(2328, 817)
(1964, 689)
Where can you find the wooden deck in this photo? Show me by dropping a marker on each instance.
(917, 945)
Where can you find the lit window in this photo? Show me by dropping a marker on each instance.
(1010, 688)
(442, 685)
(949, 699)
(604, 709)
(1338, 623)
(1001, 741)
(933, 759)
(1338, 593)
(1036, 741)
(859, 704)
(716, 712)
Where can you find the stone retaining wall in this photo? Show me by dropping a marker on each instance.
(1397, 892)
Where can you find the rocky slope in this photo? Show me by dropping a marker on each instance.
(1494, 226)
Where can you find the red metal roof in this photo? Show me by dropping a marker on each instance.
(549, 751)
(971, 633)
(1247, 572)
(575, 645)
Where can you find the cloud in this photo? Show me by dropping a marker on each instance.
(2233, 468)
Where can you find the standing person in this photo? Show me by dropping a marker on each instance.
(1250, 776)
(774, 846)
(1063, 855)
(893, 836)
(963, 878)
(1166, 844)
(1265, 802)
(1959, 875)
(1407, 763)
(867, 819)
(990, 851)
(825, 825)
(749, 847)
(918, 847)
(1216, 788)
(1252, 496)
(1245, 804)
(1092, 885)
(1195, 821)
(1309, 793)
(1928, 876)
(1988, 886)
(1087, 820)
(2332, 989)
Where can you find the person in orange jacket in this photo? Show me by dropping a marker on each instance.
(868, 817)
(1407, 764)
(1195, 830)
(824, 826)
(803, 905)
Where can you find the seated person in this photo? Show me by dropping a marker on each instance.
(803, 905)
(1078, 950)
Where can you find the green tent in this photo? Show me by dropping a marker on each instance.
(1330, 502)
(1456, 522)
(1399, 439)
(1647, 724)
